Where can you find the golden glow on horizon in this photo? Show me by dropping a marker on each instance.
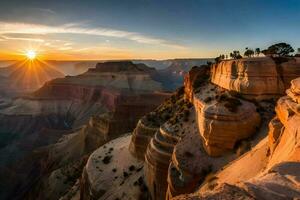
(94, 53)
(31, 54)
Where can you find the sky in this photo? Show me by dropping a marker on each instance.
(144, 29)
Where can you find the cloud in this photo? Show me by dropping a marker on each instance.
(45, 10)
(77, 28)
(3, 38)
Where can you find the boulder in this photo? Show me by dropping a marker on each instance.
(221, 127)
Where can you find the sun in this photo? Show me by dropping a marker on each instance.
(31, 54)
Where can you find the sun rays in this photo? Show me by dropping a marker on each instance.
(31, 54)
(32, 72)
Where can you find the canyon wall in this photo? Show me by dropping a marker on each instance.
(271, 169)
(223, 125)
(166, 167)
(215, 138)
(103, 104)
(256, 77)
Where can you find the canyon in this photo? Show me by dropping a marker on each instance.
(113, 132)
(215, 138)
(59, 125)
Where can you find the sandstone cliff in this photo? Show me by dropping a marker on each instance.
(256, 77)
(168, 171)
(271, 169)
(215, 138)
(225, 126)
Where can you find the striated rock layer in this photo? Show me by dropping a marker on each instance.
(157, 161)
(167, 170)
(211, 140)
(141, 137)
(221, 116)
(150, 123)
(190, 164)
(193, 79)
(256, 77)
(271, 169)
(108, 101)
(220, 128)
(155, 145)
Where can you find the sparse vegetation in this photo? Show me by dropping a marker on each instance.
(207, 99)
(106, 159)
(173, 110)
(235, 55)
(257, 51)
(186, 114)
(219, 58)
(279, 50)
(125, 174)
(249, 52)
(200, 81)
(230, 102)
(132, 168)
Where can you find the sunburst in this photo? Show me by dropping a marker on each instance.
(31, 54)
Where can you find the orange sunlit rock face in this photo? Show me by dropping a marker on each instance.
(31, 74)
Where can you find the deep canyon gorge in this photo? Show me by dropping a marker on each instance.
(119, 131)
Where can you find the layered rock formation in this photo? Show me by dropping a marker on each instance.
(150, 123)
(159, 132)
(271, 169)
(141, 137)
(190, 164)
(157, 160)
(211, 140)
(166, 158)
(220, 120)
(206, 141)
(256, 77)
(193, 79)
(107, 101)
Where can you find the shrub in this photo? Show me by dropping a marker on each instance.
(131, 168)
(186, 114)
(106, 159)
(207, 99)
(280, 49)
(232, 104)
